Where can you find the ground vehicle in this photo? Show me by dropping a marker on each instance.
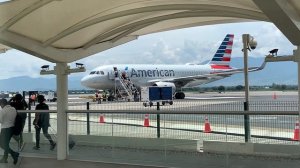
(153, 94)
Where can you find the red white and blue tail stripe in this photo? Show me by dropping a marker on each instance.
(222, 57)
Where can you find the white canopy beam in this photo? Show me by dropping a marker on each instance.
(83, 24)
(24, 13)
(146, 22)
(53, 54)
(284, 16)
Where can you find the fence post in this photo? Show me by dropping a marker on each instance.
(88, 118)
(246, 122)
(158, 121)
(29, 117)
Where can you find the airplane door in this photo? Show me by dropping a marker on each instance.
(111, 75)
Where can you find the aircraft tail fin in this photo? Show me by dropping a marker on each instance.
(223, 54)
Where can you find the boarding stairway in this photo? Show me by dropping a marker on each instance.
(125, 88)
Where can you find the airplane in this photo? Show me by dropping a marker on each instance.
(175, 76)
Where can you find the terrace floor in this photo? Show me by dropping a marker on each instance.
(92, 157)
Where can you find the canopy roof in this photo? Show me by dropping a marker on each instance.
(68, 30)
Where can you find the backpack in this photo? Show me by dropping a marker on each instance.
(18, 125)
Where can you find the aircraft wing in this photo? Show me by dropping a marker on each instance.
(240, 70)
(181, 81)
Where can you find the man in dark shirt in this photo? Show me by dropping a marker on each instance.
(42, 121)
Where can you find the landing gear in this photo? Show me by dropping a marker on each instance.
(146, 104)
(110, 98)
(164, 102)
(151, 104)
(179, 95)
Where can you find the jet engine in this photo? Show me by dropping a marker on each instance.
(165, 84)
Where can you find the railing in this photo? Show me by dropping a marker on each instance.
(266, 126)
(129, 132)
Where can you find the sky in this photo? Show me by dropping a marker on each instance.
(189, 45)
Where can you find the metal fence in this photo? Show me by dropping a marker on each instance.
(129, 132)
(270, 122)
(187, 105)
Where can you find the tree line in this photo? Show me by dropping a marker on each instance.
(221, 88)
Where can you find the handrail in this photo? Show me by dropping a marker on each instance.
(170, 112)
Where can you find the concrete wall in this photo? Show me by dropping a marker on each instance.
(140, 143)
(251, 148)
(127, 142)
(182, 145)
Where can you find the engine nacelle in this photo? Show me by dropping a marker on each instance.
(165, 84)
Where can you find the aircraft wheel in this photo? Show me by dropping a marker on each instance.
(179, 95)
(182, 95)
(163, 103)
(171, 103)
(151, 104)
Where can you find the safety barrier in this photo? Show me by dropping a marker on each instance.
(130, 132)
(265, 126)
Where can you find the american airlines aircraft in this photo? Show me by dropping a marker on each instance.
(175, 76)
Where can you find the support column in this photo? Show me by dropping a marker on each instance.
(246, 103)
(62, 106)
(297, 59)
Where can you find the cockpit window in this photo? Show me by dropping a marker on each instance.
(97, 72)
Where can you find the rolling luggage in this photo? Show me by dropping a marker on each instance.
(72, 142)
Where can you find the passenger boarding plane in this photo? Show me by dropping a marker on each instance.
(176, 76)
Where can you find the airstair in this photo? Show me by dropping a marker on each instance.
(124, 87)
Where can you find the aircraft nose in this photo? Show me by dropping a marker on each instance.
(85, 81)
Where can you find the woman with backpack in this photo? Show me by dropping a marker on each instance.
(19, 104)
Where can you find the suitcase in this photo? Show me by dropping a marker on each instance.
(72, 142)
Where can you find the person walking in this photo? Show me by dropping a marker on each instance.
(42, 121)
(19, 104)
(7, 119)
(33, 98)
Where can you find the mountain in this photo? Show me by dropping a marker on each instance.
(25, 83)
(274, 72)
(279, 73)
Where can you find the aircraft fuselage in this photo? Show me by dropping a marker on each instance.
(146, 75)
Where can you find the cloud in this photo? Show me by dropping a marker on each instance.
(16, 63)
(268, 37)
(161, 53)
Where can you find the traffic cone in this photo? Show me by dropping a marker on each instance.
(296, 131)
(101, 119)
(274, 96)
(146, 121)
(207, 126)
